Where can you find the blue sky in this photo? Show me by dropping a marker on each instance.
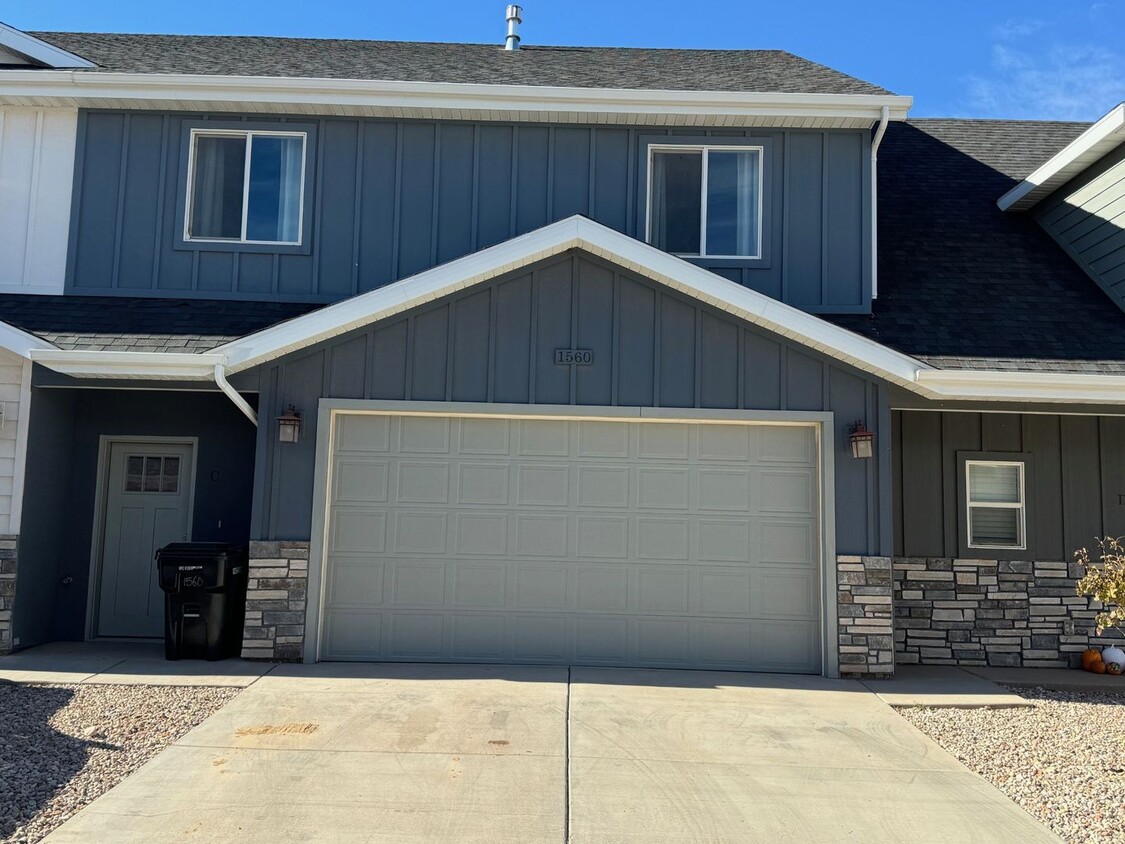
(988, 58)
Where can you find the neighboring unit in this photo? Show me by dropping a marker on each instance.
(553, 355)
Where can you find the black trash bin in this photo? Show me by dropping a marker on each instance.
(204, 587)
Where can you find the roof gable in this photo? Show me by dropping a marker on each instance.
(36, 52)
(554, 239)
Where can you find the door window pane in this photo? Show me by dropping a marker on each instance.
(732, 202)
(152, 474)
(676, 187)
(134, 473)
(170, 476)
(275, 188)
(217, 187)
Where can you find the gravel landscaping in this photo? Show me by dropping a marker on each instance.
(1063, 761)
(63, 746)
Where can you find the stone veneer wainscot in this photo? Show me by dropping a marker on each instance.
(863, 605)
(275, 601)
(8, 554)
(985, 612)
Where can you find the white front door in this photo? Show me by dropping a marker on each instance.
(147, 496)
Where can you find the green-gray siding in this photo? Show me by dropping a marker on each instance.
(496, 342)
(1087, 218)
(1076, 482)
(391, 198)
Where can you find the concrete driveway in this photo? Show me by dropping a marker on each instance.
(373, 753)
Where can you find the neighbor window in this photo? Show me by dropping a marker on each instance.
(245, 187)
(996, 507)
(706, 201)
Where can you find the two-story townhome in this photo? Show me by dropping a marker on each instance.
(669, 358)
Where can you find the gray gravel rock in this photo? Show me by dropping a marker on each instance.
(63, 746)
(1063, 761)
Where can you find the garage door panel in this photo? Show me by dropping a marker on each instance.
(483, 483)
(357, 531)
(543, 485)
(363, 434)
(481, 534)
(355, 582)
(419, 533)
(602, 589)
(604, 542)
(603, 486)
(359, 481)
(663, 539)
(602, 537)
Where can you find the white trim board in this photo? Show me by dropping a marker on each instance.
(38, 50)
(1071, 160)
(448, 100)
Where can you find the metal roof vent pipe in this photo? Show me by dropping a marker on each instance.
(512, 42)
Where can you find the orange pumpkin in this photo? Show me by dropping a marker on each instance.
(1098, 667)
(1090, 655)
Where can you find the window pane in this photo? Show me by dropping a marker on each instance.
(275, 189)
(170, 478)
(732, 202)
(995, 526)
(994, 483)
(134, 469)
(675, 215)
(152, 474)
(216, 206)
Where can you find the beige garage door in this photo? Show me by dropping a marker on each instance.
(590, 542)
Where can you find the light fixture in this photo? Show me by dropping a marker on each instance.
(289, 426)
(862, 440)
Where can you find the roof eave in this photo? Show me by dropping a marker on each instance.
(503, 102)
(1070, 161)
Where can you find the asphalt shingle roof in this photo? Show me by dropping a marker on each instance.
(141, 325)
(582, 67)
(964, 285)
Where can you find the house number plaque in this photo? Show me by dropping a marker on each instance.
(574, 357)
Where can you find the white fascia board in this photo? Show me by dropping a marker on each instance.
(39, 50)
(19, 342)
(573, 232)
(193, 91)
(990, 385)
(1070, 161)
(147, 365)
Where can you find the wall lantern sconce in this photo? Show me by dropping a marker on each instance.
(289, 426)
(862, 440)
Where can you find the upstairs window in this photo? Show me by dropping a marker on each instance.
(245, 187)
(706, 201)
(997, 513)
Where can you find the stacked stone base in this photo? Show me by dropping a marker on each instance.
(984, 612)
(275, 601)
(8, 558)
(863, 604)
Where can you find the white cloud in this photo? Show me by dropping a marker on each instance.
(1061, 83)
(1018, 28)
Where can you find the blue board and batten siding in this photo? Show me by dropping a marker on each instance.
(392, 198)
(495, 343)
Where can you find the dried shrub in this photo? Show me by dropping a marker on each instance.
(1105, 582)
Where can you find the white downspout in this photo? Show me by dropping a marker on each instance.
(878, 139)
(232, 394)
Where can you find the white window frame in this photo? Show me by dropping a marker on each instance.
(1020, 505)
(703, 150)
(248, 135)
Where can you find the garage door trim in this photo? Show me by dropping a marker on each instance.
(329, 409)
